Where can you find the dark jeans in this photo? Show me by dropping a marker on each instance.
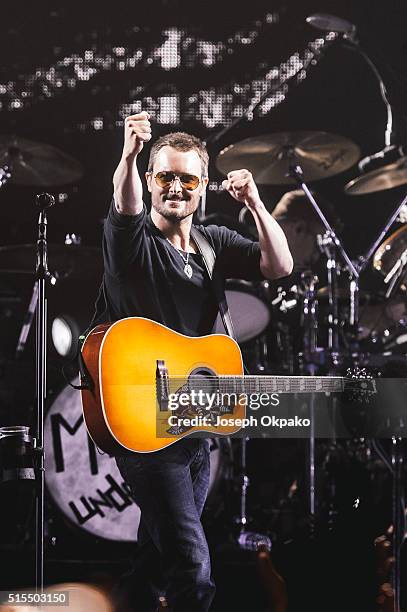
(170, 487)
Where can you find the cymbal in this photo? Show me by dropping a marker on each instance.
(37, 164)
(64, 261)
(268, 157)
(388, 177)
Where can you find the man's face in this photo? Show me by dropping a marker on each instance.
(174, 202)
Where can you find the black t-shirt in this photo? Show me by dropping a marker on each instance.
(144, 273)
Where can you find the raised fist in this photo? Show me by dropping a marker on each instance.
(137, 131)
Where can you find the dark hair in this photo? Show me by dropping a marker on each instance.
(180, 141)
(301, 209)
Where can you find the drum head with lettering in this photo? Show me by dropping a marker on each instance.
(85, 483)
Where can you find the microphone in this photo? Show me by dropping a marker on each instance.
(332, 23)
(44, 200)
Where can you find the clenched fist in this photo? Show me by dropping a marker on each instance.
(241, 186)
(137, 131)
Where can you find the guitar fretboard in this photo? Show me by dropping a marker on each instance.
(277, 384)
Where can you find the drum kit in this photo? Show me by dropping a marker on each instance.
(302, 326)
(349, 326)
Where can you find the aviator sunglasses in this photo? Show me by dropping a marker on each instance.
(188, 181)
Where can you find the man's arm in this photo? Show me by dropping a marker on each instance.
(275, 260)
(128, 188)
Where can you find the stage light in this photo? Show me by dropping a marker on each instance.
(65, 333)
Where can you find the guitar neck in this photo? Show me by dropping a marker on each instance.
(281, 384)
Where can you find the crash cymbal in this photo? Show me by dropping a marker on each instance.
(268, 157)
(37, 164)
(388, 177)
(64, 261)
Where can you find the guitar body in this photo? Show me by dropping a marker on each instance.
(121, 411)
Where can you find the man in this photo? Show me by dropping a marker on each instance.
(153, 269)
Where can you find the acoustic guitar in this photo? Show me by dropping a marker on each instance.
(136, 367)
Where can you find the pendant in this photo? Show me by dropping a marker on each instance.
(188, 270)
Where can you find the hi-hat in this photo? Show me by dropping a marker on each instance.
(37, 164)
(388, 177)
(268, 157)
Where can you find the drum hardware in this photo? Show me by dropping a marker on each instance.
(286, 300)
(353, 268)
(396, 273)
(398, 514)
(390, 259)
(309, 319)
(24, 162)
(309, 322)
(327, 247)
(360, 267)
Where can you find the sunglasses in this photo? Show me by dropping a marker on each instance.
(188, 181)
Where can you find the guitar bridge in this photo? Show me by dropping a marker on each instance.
(162, 385)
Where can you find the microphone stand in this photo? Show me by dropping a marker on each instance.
(43, 201)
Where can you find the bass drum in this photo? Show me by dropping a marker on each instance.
(86, 485)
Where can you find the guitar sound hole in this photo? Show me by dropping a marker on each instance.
(201, 379)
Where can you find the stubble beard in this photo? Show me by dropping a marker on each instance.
(188, 208)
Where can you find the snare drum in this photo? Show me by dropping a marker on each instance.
(85, 484)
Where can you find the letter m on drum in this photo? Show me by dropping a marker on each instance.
(57, 422)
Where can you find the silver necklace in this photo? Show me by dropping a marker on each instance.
(187, 265)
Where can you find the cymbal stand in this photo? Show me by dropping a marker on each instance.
(310, 325)
(398, 516)
(296, 172)
(326, 246)
(396, 273)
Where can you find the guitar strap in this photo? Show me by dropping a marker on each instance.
(209, 259)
